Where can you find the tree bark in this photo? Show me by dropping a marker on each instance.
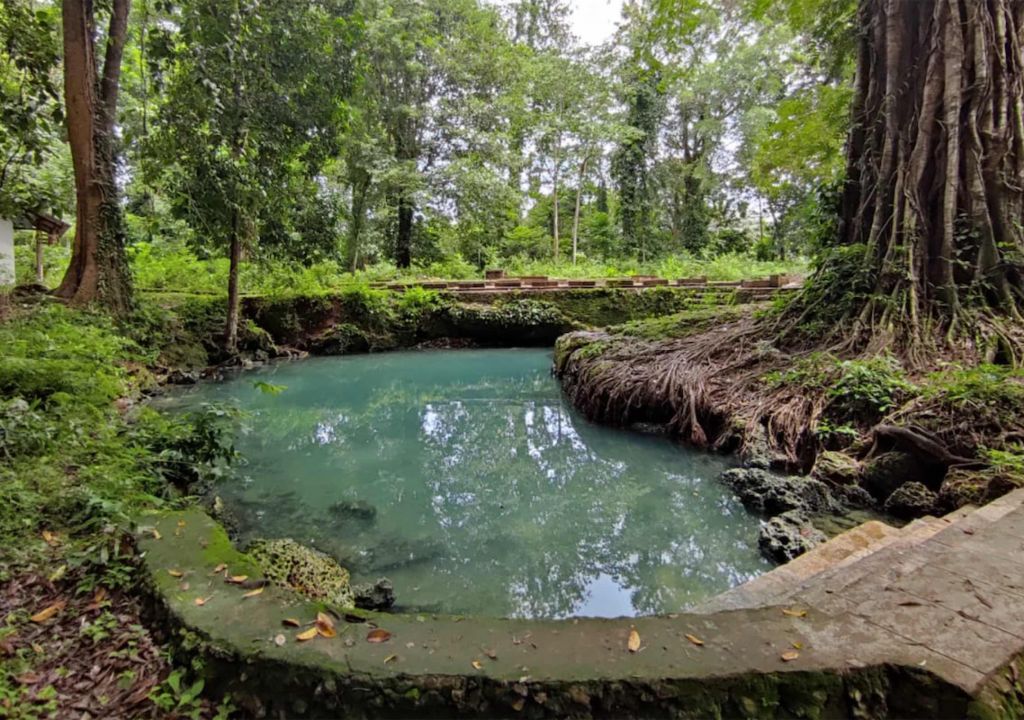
(935, 171)
(234, 299)
(40, 273)
(99, 268)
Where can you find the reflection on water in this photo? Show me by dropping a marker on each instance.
(466, 478)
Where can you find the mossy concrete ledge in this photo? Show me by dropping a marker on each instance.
(759, 663)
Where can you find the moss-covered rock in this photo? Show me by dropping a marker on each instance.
(788, 536)
(836, 468)
(292, 565)
(911, 500)
(884, 474)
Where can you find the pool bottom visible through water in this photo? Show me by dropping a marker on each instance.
(466, 478)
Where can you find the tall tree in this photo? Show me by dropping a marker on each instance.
(250, 117)
(99, 268)
(935, 173)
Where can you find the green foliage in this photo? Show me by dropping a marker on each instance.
(175, 698)
(869, 388)
(859, 391)
(56, 354)
(29, 104)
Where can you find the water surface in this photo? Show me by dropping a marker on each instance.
(488, 493)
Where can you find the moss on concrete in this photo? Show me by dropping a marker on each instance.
(291, 565)
(438, 666)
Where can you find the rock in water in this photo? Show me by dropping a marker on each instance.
(374, 596)
(289, 564)
(354, 510)
(911, 500)
(769, 494)
(788, 536)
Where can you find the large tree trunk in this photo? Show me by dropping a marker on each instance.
(99, 269)
(935, 177)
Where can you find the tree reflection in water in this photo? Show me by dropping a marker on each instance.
(492, 495)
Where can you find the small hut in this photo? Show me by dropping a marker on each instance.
(49, 230)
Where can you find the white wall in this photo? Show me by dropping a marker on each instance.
(6, 252)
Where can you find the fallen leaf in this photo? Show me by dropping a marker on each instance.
(491, 654)
(378, 636)
(156, 534)
(633, 644)
(184, 586)
(477, 665)
(50, 538)
(237, 579)
(790, 655)
(254, 593)
(694, 639)
(175, 573)
(44, 615)
(797, 645)
(29, 678)
(307, 634)
(200, 601)
(100, 595)
(794, 613)
(181, 523)
(58, 573)
(327, 632)
(280, 640)
(292, 622)
(219, 569)
(324, 620)
(390, 659)
(518, 704)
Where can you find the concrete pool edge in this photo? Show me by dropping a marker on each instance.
(845, 663)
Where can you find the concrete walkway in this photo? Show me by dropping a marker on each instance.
(930, 625)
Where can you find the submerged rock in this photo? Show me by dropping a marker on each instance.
(292, 565)
(374, 596)
(766, 493)
(353, 510)
(788, 536)
(911, 500)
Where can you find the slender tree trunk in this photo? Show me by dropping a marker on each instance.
(554, 195)
(403, 242)
(98, 270)
(360, 180)
(40, 273)
(576, 211)
(234, 299)
(935, 178)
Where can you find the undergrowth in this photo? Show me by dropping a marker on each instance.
(79, 460)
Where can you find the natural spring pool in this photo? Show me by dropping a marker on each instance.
(467, 479)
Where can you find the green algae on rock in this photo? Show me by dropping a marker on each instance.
(292, 565)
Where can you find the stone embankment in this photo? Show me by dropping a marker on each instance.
(925, 621)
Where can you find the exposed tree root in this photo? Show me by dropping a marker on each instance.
(746, 383)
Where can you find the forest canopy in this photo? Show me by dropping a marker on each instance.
(458, 133)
